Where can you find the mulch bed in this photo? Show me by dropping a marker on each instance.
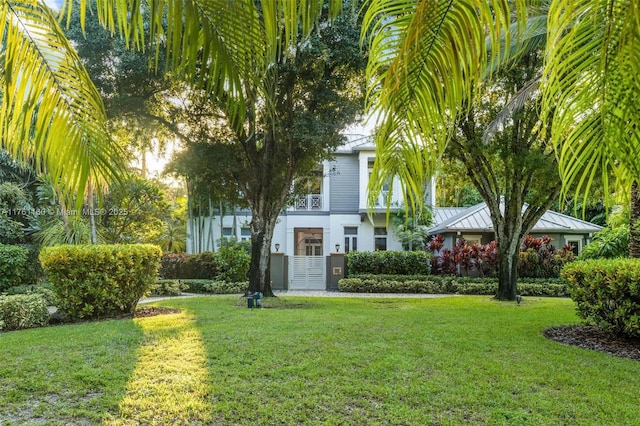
(592, 337)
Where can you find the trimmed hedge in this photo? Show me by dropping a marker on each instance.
(607, 293)
(23, 311)
(199, 266)
(215, 287)
(45, 290)
(168, 288)
(389, 262)
(230, 263)
(369, 283)
(100, 280)
(14, 269)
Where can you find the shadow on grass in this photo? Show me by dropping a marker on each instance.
(70, 374)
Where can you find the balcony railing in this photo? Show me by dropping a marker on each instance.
(309, 202)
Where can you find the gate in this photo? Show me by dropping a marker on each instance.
(307, 273)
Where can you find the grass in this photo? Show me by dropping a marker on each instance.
(453, 360)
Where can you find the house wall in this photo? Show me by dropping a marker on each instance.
(344, 204)
(344, 178)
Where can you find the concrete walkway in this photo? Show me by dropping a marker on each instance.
(307, 293)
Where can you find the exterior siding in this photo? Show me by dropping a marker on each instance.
(344, 182)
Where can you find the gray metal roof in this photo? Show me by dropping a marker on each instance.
(477, 218)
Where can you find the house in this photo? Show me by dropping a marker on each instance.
(474, 225)
(332, 218)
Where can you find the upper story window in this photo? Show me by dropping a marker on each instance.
(381, 201)
(380, 238)
(227, 232)
(245, 234)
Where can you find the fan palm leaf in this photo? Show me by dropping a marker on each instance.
(50, 112)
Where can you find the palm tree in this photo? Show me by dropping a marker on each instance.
(427, 58)
(50, 113)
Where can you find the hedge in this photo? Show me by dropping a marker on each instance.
(14, 269)
(215, 286)
(389, 262)
(23, 311)
(369, 283)
(230, 263)
(100, 280)
(168, 288)
(607, 293)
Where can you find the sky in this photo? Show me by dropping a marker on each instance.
(54, 4)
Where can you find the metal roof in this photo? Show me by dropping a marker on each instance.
(478, 219)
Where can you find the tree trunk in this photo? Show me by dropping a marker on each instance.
(507, 272)
(261, 236)
(634, 222)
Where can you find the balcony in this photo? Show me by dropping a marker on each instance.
(308, 202)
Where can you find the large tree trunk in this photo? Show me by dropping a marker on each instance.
(261, 236)
(634, 222)
(507, 272)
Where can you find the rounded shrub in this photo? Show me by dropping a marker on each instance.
(607, 293)
(23, 311)
(100, 280)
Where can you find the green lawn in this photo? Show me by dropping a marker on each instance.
(453, 360)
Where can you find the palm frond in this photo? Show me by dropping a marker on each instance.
(591, 89)
(426, 59)
(51, 112)
(225, 47)
(515, 103)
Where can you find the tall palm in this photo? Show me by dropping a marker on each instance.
(50, 112)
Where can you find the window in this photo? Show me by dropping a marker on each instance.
(472, 239)
(380, 238)
(245, 234)
(576, 245)
(227, 232)
(382, 197)
(350, 238)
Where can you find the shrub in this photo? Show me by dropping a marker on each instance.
(100, 280)
(168, 288)
(436, 284)
(46, 290)
(215, 287)
(233, 263)
(389, 262)
(540, 259)
(607, 293)
(171, 265)
(195, 266)
(23, 311)
(13, 266)
(607, 244)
